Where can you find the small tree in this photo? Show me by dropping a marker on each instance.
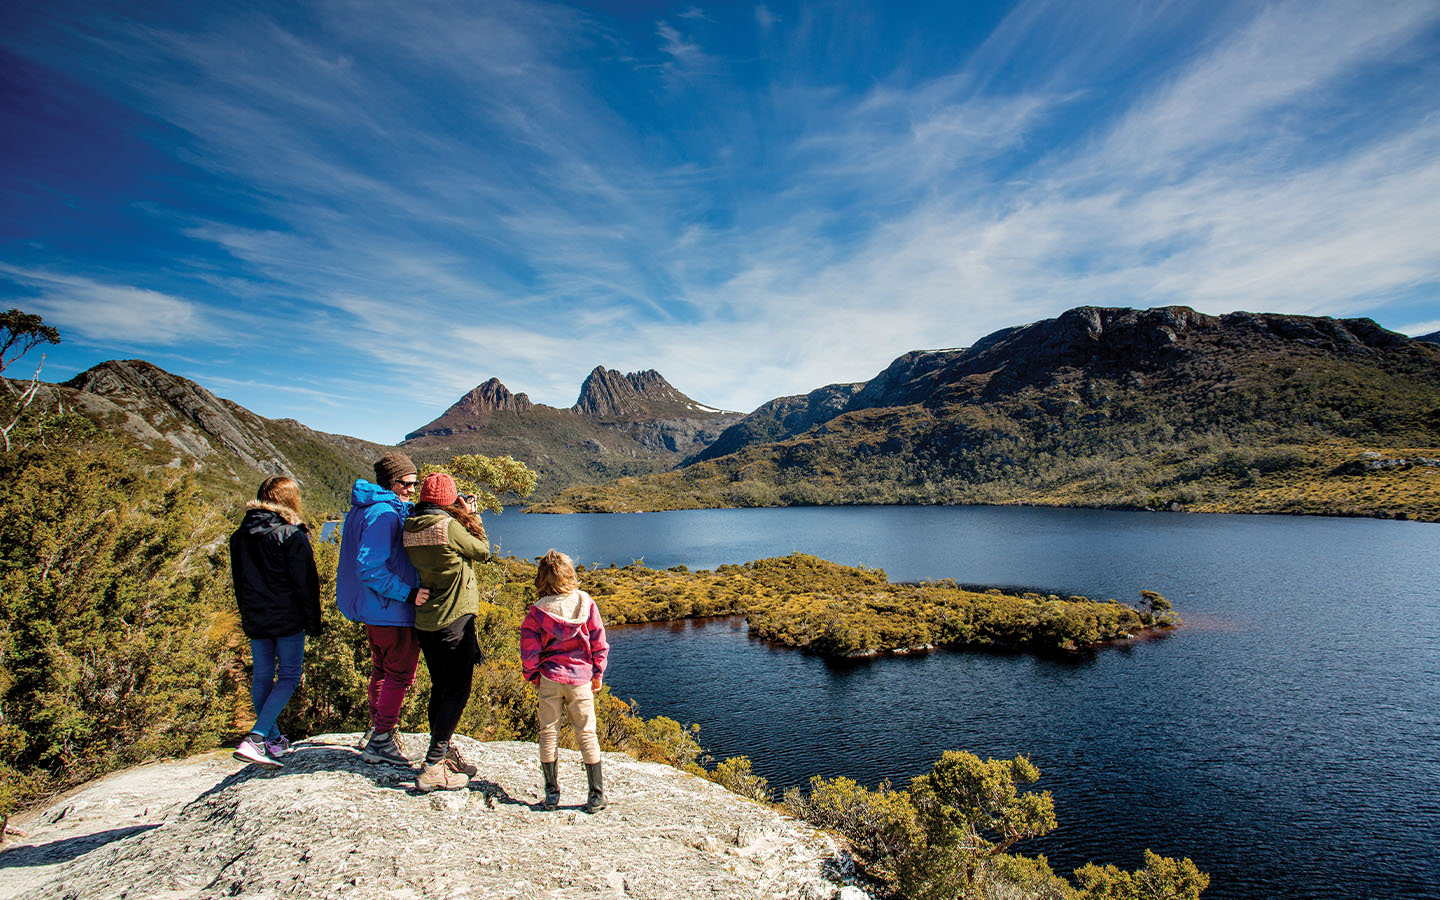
(971, 811)
(488, 478)
(1156, 609)
(21, 332)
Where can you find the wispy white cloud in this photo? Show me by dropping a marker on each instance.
(109, 312)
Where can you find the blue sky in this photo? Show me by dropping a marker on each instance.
(350, 213)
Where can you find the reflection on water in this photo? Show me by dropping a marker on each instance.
(1286, 739)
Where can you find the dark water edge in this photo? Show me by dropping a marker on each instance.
(1287, 738)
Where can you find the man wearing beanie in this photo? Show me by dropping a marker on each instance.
(377, 585)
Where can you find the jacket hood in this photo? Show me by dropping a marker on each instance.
(572, 608)
(368, 493)
(421, 519)
(285, 513)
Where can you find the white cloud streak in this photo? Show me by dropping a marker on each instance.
(110, 313)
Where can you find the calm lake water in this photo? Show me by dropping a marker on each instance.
(1287, 738)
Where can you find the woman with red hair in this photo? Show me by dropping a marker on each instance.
(443, 536)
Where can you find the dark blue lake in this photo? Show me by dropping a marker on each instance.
(1287, 738)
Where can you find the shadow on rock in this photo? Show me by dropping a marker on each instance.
(307, 757)
(67, 849)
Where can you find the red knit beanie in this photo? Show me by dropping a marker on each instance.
(439, 489)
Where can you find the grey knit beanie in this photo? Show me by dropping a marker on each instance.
(393, 466)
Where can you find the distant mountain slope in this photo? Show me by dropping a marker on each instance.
(621, 425)
(1431, 338)
(1162, 407)
(178, 422)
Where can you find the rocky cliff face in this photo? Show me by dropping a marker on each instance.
(609, 394)
(329, 826)
(183, 424)
(185, 414)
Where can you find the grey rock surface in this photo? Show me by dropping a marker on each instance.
(330, 826)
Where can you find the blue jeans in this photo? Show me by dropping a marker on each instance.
(267, 692)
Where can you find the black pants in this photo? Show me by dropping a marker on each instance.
(450, 654)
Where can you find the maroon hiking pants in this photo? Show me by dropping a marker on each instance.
(394, 657)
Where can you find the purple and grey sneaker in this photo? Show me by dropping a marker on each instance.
(251, 751)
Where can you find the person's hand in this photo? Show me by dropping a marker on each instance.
(421, 596)
(595, 683)
(470, 503)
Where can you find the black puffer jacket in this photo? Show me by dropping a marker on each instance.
(276, 584)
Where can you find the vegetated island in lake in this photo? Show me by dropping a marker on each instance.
(848, 611)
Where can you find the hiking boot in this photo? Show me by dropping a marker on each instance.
(596, 801)
(383, 748)
(457, 763)
(253, 751)
(278, 747)
(549, 771)
(440, 777)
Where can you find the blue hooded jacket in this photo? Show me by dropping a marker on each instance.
(375, 583)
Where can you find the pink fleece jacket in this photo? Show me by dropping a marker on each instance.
(563, 639)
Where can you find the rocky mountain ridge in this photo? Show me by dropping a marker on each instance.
(329, 826)
(609, 394)
(1087, 342)
(180, 423)
(1133, 378)
(622, 424)
(1112, 407)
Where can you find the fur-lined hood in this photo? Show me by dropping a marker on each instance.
(284, 512)
(572, 608)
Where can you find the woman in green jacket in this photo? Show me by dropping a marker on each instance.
(443, 536)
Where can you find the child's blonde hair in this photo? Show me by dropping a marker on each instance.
(555, 575)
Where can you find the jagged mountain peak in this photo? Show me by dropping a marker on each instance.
(475, 408)
(492, 396)
(611, 394)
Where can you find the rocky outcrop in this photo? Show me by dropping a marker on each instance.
(191, 418)
(610, 394)
(472, 411)
(182, 424)
(329, 826)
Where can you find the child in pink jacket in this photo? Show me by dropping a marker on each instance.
(563, 653)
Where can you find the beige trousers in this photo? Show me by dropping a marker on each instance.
(578, 701)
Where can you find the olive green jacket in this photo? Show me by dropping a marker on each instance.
(441, 550)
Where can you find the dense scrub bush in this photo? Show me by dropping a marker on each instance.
(950, 836)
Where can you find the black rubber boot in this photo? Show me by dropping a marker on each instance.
(596, 801)
(552, 784)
